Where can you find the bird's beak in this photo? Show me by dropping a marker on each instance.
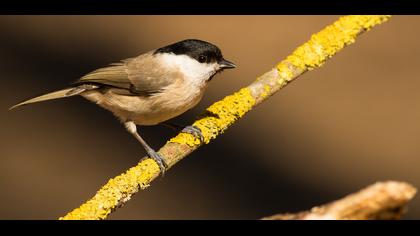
(225, 64)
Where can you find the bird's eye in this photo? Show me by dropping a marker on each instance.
(202, 58)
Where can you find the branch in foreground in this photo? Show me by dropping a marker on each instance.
(380, 201)
(222, 114)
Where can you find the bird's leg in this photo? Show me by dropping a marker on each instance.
(131, 127)
(191, 129)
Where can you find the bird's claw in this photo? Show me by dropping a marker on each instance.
(195, 131)
(159, 160)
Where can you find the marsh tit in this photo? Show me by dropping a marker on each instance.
(151, 88)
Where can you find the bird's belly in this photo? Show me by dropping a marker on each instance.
(143, 110)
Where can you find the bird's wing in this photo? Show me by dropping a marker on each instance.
(114, 75)
(136, 75)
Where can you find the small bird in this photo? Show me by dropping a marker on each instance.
(151, 88)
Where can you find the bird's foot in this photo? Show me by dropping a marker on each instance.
(159, 160)
(195, 131)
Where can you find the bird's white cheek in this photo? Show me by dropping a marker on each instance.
(199, 73)
(194, 71)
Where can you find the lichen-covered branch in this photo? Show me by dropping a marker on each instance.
(380, 201)
(222, 114)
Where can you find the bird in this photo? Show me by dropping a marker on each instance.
(151, 88)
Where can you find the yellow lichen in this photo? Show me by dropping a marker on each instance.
(266, 91)
(185, 138)
(116, 191)
(327, 42)
(218, 117)
(285, 71)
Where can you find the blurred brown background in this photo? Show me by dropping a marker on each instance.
(335, 130)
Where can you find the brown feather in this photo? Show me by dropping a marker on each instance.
(142, 75)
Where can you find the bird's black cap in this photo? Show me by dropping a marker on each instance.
(200, 50)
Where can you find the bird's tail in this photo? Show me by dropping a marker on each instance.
(63, 93)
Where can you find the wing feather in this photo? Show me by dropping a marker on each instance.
(113, 75)
(143, 75)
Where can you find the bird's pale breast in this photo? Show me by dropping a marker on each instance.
(174, 100)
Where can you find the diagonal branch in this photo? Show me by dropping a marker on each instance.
(380, 201)
(222, 114)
